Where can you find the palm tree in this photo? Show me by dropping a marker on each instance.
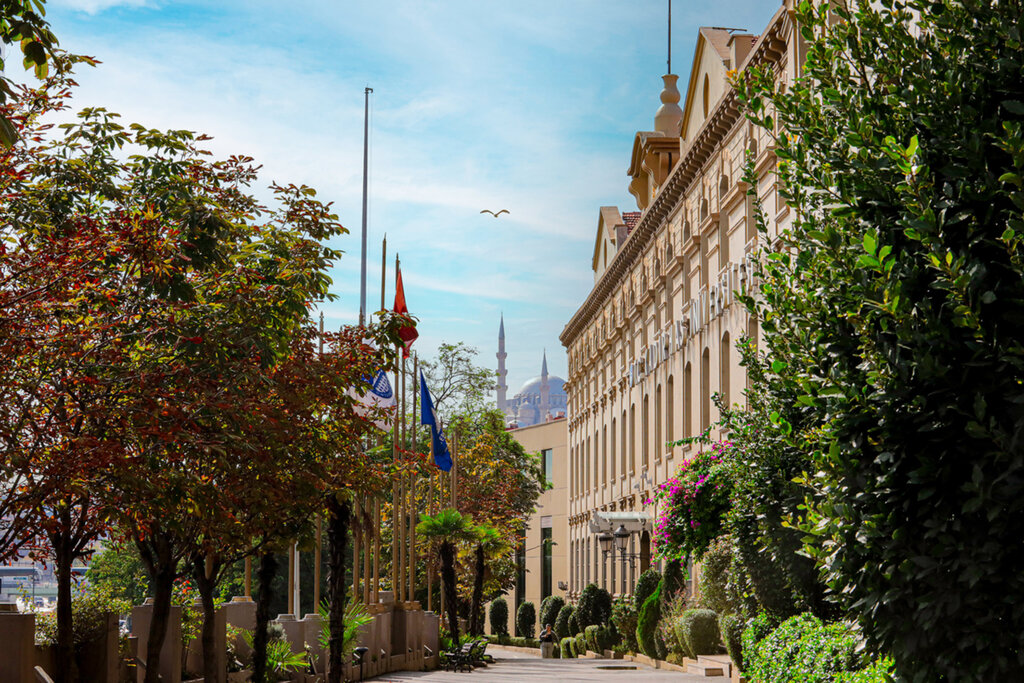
(448, 527)
(489, 543)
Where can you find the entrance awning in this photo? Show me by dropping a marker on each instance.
(634, 521)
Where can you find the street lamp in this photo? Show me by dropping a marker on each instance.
(621, 538)
(605, 539)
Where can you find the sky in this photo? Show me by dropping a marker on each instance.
(527, 106)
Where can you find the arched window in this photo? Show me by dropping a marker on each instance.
(632, 438)
(705, 94)
(597, 471)
(659, 447)
(705, 390)
(725, 374)
(670, 416)
(611, 459)
(687, 402)
(623, 450)
(586, 467)
(645, 428)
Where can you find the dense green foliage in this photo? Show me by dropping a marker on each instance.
(892, 320)
(580, 643)
(594, 606)
(562, 622)
(549, 610)
(700, 631)
(624, 617)
(89, 609)
(601, 637)
(731, 628)
(645, 586)
(499, 616)
(804, 649)
(574, 623)
(673, 581)
(526, 620)
(694, 503)
(119, 570)
(567, 649)
(679, 637)
(647, 623)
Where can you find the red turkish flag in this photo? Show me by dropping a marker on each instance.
(408, 333)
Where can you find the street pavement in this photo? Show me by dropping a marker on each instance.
(522, 668)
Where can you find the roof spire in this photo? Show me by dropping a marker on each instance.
(544, 365)
(501, 328)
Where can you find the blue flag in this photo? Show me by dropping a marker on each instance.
(428, 416)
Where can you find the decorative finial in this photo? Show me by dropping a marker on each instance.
(669, 117)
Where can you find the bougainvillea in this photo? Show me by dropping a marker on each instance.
(693, 504)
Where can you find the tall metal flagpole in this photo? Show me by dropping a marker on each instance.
(366, 150)
(380, 440)
(317, 561)
(414, 505)
(669, 37)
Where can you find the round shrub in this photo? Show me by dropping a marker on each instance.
(562, 622)
(700, 630)
(756, 631)
(731, 628)
(647, 623)
(672, 582)
(594, 607)
(714, 576)
(802, 649)
(499, 617)
(645, 585)
(526, 620)
(624, 616)
(680, 637)
(581, 645)
(574, 623)
(549, 609)
(565, 648)
(590, 634)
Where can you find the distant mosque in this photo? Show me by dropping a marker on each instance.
(539, 400)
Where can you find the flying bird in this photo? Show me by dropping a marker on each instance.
(496, 214)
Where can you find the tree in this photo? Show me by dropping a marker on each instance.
(448, 528)
(488, 543)
(118, 570)
(891, 317)
(21, 21)
(456, 384)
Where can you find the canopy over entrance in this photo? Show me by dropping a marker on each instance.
(634, 521)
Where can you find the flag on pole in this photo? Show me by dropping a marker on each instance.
(374, 395)
(428, 416)
(407, 333)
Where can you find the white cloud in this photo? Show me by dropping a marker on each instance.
(97, 6)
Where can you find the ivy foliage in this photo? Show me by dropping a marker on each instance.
(892, 314)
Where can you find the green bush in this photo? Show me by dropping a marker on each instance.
(700, 630)
(713, 588)
(590, 635)
(647, 623)
(673, 582)
(594, 607)
(660, 646)
(499, 617)
(574, 623)
(759, 628)
(89, 608)
(562, 621)
(645, 585)
(804, 649)
(549, 609)
(566, 649)
(624, 617)
(731, 628)
(526, 620)
(674, 645)
(581, 644)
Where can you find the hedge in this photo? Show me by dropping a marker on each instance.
(499, 617)
(624, 617)
(581, 644)
(549, 609)
(645, 585)
(562, 622)
(526, 620)
(680, 636)
(565, 647)
(601, 638)
(647, 623)
(594, 606)
(731, 628)
(700, 629)
(574, 623)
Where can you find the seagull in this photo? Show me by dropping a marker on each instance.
(496, 214)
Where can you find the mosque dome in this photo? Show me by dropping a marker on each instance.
(532, 386)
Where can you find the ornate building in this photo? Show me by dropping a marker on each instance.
(655, 338)
(541, 399)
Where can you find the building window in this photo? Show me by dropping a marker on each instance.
(645, 427)
(604, 455)
(623, 449)
(545, 563)
(705, 94)
(597, 472)
(670, 418)
(586, 467)
(611, 443)
(658, 445)
(705, 390)
(548, 463)
(724, 369)
(687, 402)
(632, 438)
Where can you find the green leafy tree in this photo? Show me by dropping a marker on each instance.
(447, 529)
(118, 570)
(488, 543)
(499, 616)
(21, 22)
(891, 317)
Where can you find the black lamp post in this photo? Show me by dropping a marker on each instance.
(621, 538)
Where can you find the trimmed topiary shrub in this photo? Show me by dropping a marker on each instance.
(680, 638)
(581, 645)
(526, 620)
(624, 619)
(549, 609)
(590, 634)
(700, 630)
(499, 617)
(565, 647)
(731, 628)
(647, 623)
(714, 577)
(660, 646)
(574, 623)
(594, 607)
(672, 581)
(645, 585)
(562, 622)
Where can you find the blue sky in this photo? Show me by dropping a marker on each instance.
(530, 106)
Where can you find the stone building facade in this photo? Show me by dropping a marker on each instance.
(656, 337)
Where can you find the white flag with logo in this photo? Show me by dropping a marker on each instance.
(378, 394)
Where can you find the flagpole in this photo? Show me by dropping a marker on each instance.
(366, 152)
(415, 485)
(319, 519)
(401, 496)
(396, 511)
(380, 440)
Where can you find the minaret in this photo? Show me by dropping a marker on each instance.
(545, 389)
(502, 387)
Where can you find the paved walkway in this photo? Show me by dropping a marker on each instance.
(522, 668)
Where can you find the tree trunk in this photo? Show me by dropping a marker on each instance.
(447, 552)
(339, 516)
(476, 613)
(206, 582)
(265, 575)
(67, 669)
(163, 587)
